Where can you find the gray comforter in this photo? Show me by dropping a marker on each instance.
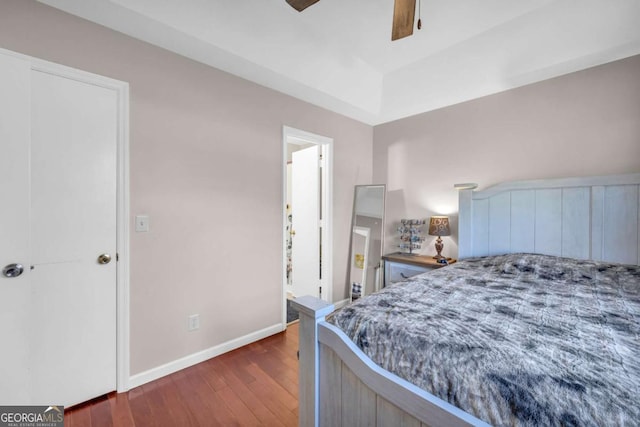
(522, 340)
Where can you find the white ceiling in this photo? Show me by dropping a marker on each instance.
(338, 54)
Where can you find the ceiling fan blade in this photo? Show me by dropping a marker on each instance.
(301, 5)
(404, 12)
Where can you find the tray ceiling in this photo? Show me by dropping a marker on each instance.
(339, 54)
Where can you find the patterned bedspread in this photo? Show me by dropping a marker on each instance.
(522, 340)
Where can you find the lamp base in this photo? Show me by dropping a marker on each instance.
(439, 247)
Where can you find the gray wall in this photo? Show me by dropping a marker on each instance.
(206, 165)
(584, 123)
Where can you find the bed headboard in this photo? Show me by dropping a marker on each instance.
(589, 218)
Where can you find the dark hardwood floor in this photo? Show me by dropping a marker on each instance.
(256, 385)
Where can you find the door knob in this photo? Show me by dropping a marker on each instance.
(12, 270)
(104, 259)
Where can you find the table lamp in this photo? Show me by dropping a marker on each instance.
(439, 226)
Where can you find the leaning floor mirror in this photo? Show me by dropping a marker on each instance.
(367, 231)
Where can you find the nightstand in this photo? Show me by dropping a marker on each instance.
(399, 267)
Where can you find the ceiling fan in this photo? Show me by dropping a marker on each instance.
(403, 15)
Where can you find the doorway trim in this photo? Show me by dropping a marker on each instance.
(296, 136)
(122, 200)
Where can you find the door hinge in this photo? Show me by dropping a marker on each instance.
(320, 291)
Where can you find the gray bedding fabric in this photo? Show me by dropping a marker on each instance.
(520, 339)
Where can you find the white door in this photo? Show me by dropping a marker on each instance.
(305, 210)
(58, 216)
(14, 226)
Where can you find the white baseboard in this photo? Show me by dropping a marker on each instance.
(341, 303)
(195, 358)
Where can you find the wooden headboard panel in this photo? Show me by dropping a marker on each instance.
(589, 218)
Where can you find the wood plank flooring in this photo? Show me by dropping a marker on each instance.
(256, 385)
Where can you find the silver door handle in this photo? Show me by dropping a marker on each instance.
(104, 259)
(12, 270)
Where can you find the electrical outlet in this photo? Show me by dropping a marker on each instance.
(193, 322)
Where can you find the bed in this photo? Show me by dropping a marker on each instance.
(547, 266)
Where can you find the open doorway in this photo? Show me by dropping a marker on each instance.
(307, 213)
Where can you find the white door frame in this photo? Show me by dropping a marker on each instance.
(296, 136)
(122, 202)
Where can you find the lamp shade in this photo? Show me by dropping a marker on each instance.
(439, 226)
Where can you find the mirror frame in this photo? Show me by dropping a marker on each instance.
(378, 278)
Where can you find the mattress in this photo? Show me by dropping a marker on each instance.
(515, 340)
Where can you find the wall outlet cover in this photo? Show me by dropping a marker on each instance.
(193, 322)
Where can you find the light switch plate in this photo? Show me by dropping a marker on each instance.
(142, 223)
